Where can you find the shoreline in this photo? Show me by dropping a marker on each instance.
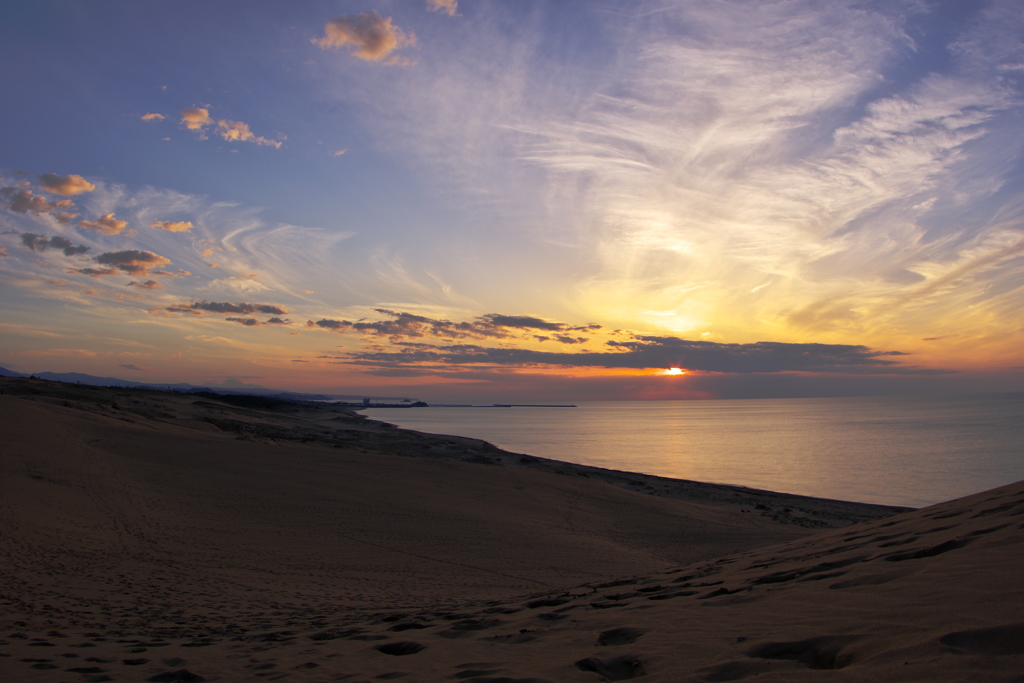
(681, 489)
(910, 454)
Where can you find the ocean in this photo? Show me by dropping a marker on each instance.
(905, 450)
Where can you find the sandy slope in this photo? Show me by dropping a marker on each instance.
(152, 537)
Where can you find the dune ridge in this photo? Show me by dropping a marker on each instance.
(161, 537)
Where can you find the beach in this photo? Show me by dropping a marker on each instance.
(150, 536)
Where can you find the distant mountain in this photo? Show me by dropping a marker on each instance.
(82, 378)
(227, 387)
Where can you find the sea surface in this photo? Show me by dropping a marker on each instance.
(907, 450)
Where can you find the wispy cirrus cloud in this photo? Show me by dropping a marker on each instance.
(288, 258)
(783, 173)
(449, 7)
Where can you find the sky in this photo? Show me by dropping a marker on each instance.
(494, 200)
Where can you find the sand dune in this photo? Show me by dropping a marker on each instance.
(155, 537)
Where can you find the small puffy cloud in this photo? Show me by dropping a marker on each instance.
(521, 321)
(566, 339)
(236, 130)
(67, 246)
(96, 272)
(63, 217)
(105, 225)
(42, 243)
(3, 252)
(241, 308)
(167, 273)
(67, 186)
(372, 36)
(173, 226)
(195, 118)
(132, 261)
(329, 324)
(24, 201)
(253, 322)
(449, 7)
(148, 284)
(152, 117)
(339, 152)
(130, 366)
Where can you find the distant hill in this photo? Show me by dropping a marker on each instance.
(227, 387)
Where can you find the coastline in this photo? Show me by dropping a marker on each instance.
(165, 537)
(911, 451)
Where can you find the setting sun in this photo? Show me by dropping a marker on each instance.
(674, 371)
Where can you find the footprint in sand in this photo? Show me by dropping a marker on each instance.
(823, 652)
(179, 676)
(996, 641)
(618, 669)
(619, 636)
(401, 648)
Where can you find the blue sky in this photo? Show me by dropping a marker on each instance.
(631, 186)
